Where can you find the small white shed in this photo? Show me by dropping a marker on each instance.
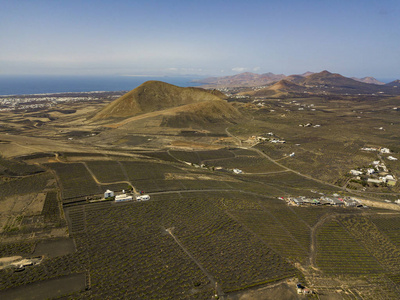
(108, 194)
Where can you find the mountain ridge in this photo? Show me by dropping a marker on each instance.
(248, 79)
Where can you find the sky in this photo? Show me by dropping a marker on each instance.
(199, 37)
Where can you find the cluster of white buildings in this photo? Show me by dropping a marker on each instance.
(269, 137)
(378, 173)
(378, 149)
(124, 196)
(324, 200)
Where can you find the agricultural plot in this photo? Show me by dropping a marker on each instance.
(311, 215)
(47, 289)
(25, 185)
(205, 184)
(75, 180)
(236, 258)
(294, 184)
(13, 167)
(215, 154)
(243, 152)
(248, 164)
(116, 187)
(106, 171)
(390, 226)
(47, 269)
(292, 223)
(158, 185)
(51, 209)
(17, 248)
(273, 232)
(162, 155)
(373, 240)
(147, 170)
(187, 156)
(131, 256)
(339, 253)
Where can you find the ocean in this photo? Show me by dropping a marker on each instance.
(26, 85)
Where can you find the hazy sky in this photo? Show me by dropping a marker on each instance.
(128, 37)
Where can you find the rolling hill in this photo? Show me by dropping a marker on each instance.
(395, 83)
(170, 106)
(281, 88)
(154, 96)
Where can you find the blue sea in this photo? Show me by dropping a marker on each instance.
(26, 85)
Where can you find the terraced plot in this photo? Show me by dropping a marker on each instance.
(107, 171)
(273, 232)
(75, 180)
(390, 226)
(236, 258)
(373, 240)
(339, 253)
(132, 256)
(147, 170)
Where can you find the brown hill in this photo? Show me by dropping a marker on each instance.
(280, 88)
(395, 83)
(202, 115)
(295, 78)
(154, 96)
(368, 79)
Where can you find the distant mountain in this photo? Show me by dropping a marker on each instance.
(295, 78)
(308, 73)
(280, 88)
(333, 83)
(246, 79)
(395, 83)
(370, 80)
(324, 82)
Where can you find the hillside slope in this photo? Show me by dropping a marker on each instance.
(200, 115)
(154, 96)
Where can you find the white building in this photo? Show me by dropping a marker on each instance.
(123, 197)
(143, 198)
(372, 180)
(385, 150)
(355, 172)
(108, 194)
(391, 158)
(237, 171)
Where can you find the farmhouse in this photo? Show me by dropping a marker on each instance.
(108, 194)
(237, 171)
(123, 197)
(350, 202)
(335, 201)
(298, 201)
(355, 172)
(373, 180)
